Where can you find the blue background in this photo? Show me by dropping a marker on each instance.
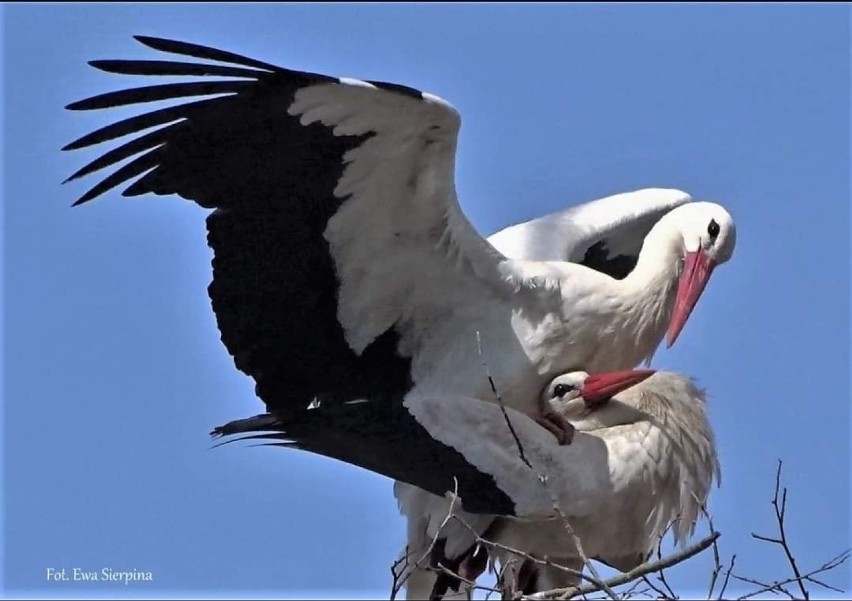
(114, 372)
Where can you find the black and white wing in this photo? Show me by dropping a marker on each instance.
(604, 234)
(450, 444)
(336, 230)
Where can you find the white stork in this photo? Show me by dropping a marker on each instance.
(647, 457)
(346, 279)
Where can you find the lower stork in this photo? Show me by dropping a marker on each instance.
(648, 463)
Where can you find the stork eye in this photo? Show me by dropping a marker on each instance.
(713, 228)
(560, 390)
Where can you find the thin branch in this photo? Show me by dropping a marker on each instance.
(780, 513)
(396, 584)
(661, 575)
(824, 585)
(767, 539)
(522, 554)
(829, 565)
(630, 592)
(717, 561)
(397, 581)
(598, 581)
(776, 588)
(717, 556)
(727, 578)
(661, 593)
(637, 572)
(500, 403)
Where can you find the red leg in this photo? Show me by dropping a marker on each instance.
(474, 563)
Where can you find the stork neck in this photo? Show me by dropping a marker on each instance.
(648, 292)
(659, 262)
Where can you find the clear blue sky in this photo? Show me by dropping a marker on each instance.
(114, 372)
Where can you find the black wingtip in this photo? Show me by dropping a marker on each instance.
(152, 41)
(106, 65)
(274, 436)
(203, 52)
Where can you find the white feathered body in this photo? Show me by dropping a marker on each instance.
(646, 458)
(662, 462)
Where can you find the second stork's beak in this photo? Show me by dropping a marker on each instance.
(696, 273)
(603, 386)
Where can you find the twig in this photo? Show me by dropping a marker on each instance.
(397, 581)
(717, 560)
(637, 572)
(500, 403)
(631, 592)
(661, 575)
(775, 587)
(780, 512)
(526, 556)
(396, 584)
(823, 584)
(662, 594)
(727, 578)
(598, 581)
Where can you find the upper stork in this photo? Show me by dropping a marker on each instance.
(346, 274)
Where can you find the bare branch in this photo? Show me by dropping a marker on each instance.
(823, 584)
(661, 574)
(661, 594)
(778, 586)
(522, 554)
(400, 579)
(717, 561)
(775, 588)
(396, 584)
(779, 515)
(767, 539)
(500, 403)
(638, 572)
(596, 577)
(727, 578)
(780, 507)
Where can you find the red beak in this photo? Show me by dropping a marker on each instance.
(696, 273)
(603, 386)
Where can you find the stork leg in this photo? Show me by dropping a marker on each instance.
(557, 425)
(469, 566)
(474, 563)
(527, 577)
(518, 576)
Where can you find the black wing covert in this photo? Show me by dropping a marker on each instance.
(383, 438)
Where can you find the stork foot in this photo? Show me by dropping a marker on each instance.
(468, 566)
(474, 563)
(557, 425)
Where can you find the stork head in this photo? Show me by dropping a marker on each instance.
(593, 389)
(709, 237)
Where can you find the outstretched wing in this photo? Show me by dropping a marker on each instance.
(604, 234)
(336, 222)
(450, 444)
